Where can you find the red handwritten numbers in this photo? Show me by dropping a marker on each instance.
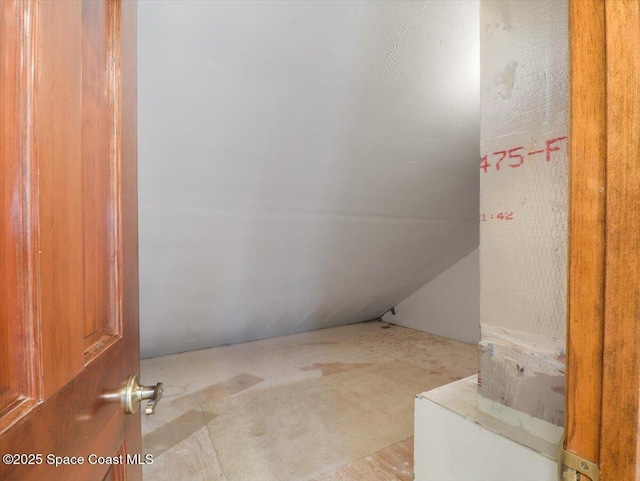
(484, 164)
(498, 216)
(515, 157)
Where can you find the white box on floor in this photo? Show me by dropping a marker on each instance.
(455, 441)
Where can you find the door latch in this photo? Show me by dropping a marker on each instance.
(133, 393)
(572, 468)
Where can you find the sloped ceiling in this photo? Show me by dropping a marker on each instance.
(302, 164)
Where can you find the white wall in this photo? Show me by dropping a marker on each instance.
(524, 75)
(302, 164)
(455, 441)
(448, 306)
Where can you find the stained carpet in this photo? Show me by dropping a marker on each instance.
(299, 431)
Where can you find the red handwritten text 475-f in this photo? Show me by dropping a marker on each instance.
(515, 157)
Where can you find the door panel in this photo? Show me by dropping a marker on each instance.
(57, 159)
(69, 307)
(98, 162)
(18, 380)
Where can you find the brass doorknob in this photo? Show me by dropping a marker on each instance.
(133, 393)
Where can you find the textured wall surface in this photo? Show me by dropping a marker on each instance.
(523, 204)
(448, 306)
(302, 164)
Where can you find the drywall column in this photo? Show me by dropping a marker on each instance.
(523, 210)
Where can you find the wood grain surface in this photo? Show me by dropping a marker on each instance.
(587, 144)
(621, 373)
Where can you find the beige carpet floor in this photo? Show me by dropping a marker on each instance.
(299, 431)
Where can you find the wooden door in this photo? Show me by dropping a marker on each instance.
(603, 368)
(68, 239)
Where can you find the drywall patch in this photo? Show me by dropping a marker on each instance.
(506, 81)
(504, 9)
(526, 381)
(541, 345)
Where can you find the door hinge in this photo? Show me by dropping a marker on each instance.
(573, 467)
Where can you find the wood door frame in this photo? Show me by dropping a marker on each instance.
(603, 323)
